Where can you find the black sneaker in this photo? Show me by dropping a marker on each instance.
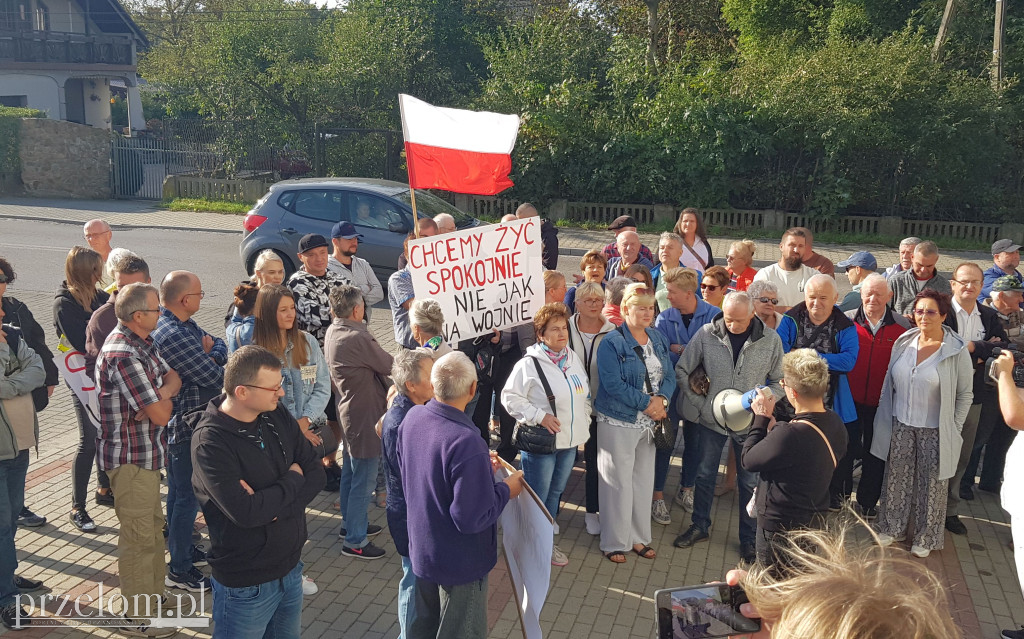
(82, 520)
(748, 553)
(105, 499)
(369, 551)
(869, 512)
(29, 519)
(372, 530)
(192, 581)
(198, 556)
(15, 617)
(835, 503)
(991, 489)
(24, 584)
(1013, 634)
(955, 526)
(692, 536)
(967, 493)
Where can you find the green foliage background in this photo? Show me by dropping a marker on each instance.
(823, 107)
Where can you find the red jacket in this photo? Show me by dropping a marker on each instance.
(873, 358)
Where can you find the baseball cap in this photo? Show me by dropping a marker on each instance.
(1007, 283)
(862, 259)
(621, 222)
(1003, 246)
(311, 241)
(345, 230)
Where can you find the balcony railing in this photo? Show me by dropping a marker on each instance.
(65, 48)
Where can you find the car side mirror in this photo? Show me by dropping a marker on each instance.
(398, 227)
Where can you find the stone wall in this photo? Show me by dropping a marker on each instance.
(64, 159)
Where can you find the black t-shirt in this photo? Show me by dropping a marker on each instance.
(738, 340)
(687, 318)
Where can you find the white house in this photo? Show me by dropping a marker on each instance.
(60, 56)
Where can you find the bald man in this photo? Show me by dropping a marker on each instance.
(548, 235)
(817, 323)
(199, 360)
(628, 244)
(98, 235)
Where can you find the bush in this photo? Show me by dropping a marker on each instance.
(9, 134)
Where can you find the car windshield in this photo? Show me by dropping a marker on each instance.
(430, 205)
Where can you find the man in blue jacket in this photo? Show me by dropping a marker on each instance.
(452, 504)
(818, 323)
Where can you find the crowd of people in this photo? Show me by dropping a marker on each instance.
(637, 357)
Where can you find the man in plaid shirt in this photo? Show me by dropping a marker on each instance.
(199, 360)
(136, 388)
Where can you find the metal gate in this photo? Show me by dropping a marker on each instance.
(139, 165)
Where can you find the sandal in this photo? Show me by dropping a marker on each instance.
(646, 552)
(613, 555)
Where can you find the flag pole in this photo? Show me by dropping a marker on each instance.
(408, 164)
(415, 218)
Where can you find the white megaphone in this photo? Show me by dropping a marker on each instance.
(727, 407)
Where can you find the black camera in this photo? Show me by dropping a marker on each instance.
(1018, 366)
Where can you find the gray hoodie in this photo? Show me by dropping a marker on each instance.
(759, 363)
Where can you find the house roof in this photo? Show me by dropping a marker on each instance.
(110, 16)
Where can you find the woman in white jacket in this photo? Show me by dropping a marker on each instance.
(526, 400)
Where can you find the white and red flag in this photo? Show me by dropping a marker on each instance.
(457, 150)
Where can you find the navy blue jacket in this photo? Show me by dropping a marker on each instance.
(397, 517)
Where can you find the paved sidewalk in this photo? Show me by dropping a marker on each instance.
(591, 597)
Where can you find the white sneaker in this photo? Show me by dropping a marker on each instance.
(593, 521)
(309, 587)
(684, 498)
(558, 557)
(556, 529)
(885, 540)
(659, 512)
(920, 551)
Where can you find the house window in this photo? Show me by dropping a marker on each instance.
(42, 17)
(14, 100)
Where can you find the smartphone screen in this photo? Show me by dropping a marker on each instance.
(702, 612)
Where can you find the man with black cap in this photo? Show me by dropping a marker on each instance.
(355, 270)
(312, 283)
(1005, 260)
(858, 266)
(625, 223)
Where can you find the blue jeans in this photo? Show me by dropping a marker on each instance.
(691, 455)
(272, 609)
(406, 598)
(548, 475)
(181, 506)
(12, 500)
(358, 477)
(709, 445)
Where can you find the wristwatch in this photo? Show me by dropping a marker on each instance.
(663, 400)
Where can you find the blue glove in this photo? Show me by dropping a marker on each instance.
(748, 397)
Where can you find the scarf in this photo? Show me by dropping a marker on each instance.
(561, 359)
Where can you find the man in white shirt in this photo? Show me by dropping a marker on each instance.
(790, 274)
(355, 270)
(98, 235)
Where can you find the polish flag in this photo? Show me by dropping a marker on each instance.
(457, 150)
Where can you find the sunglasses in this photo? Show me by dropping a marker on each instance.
(768, 300)
(930, 312)
(709, 287)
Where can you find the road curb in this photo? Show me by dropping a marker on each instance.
(119, 227)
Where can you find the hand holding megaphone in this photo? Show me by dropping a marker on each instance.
(763, 403)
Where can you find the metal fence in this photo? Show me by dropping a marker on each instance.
(139, 165)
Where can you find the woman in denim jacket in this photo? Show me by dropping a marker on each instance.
(626, 414)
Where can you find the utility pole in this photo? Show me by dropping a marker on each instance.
(940, 37)
(997, 45)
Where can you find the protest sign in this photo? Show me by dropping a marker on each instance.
(527, 537)
(485, 278)
(71, 366)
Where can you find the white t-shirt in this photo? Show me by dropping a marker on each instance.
(689, 260)
(790, 284)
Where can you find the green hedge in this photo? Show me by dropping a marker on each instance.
(9, 118)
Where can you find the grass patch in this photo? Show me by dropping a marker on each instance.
(197, 205)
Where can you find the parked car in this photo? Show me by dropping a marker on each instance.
(379, 209)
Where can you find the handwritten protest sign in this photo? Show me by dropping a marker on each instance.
(485, 278)
(71, 366)
(527, 536)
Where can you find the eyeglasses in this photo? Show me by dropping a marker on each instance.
(973, 283)
(592, 300)
(90, 236)
(930, 312)
(201, 295)
(768, 300)
(709, 287)
(148, 310)
(272, 390)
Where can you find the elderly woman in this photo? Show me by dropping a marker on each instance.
(593, 265)
(766, 297)
(795, 459)
(613, 299)
(696, 249)
(359, 369)
(587, 329)
(714, 285)
(925, 398)
(636, 380)
(554, 287)
(739, 260)
(411, 374)
(549, 387)
(426, 319)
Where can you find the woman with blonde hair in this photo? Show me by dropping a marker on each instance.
(636, 380)
(554, 287)
(76, 299)
(696, 248)
(739, 260)
(268, 269)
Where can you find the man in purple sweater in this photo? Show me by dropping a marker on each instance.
(453, 505)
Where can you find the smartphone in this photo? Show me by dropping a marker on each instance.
(702, 612)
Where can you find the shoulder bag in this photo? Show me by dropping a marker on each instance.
(664, 431)
(531, 438)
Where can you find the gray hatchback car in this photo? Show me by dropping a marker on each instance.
(379, 209)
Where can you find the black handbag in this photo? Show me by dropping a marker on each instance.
(664, 431)
(536, 439)
(328, 442)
